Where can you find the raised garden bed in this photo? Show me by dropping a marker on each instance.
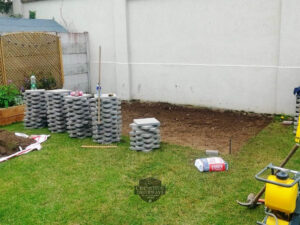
(12, 114)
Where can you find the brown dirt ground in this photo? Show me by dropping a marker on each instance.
(9, 143)
(199, 128)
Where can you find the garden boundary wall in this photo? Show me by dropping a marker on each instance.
(237, 54)
(75, 57)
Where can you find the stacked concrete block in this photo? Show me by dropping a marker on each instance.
(297, 113)
(57, 110)
(79, 120)
(145, 134)
(109, 130)
(36, 109)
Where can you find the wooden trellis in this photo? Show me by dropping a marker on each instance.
(26, 53)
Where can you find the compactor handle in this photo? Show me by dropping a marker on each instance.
(272, 167)
(268, 214)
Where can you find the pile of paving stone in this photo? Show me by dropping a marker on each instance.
(109, 130)
(79, 120)
(297, 113)
(145, 134)
(36, 109)
(56, 110)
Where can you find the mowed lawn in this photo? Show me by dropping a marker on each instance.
(65, 184)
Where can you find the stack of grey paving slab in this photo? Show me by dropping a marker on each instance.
(109, 130)
(296, 118)
(79, 120)
(57, 110)
(145, 134)
(36, 109)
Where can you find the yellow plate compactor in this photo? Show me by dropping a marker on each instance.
(282, 201)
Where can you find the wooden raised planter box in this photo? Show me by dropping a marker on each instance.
(11, 114)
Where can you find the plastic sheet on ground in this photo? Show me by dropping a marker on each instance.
(35, 146)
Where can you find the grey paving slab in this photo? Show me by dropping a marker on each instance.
(110, 128)
(78, 116)
(36, 109)
(145, 134)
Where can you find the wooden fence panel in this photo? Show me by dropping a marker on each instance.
(29, 53)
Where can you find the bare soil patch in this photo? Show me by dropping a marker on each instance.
(9, 143)
(200, 128)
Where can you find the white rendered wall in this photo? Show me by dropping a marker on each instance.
(212, 53)
(233, 54)
(289, 62)
(75, 54)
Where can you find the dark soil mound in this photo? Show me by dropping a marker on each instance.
(9, 143)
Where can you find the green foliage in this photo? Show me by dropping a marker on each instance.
(282, 117)
(46, 82)
(43, 81)
(8, 93)
(32, 14)
(5, 6)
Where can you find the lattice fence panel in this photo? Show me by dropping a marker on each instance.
(24, 54)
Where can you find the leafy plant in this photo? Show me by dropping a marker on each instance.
(5, 6)
(8, 94)
(32, 14)
(43, 81)
(47, 82)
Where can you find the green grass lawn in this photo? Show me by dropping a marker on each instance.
(65, 184)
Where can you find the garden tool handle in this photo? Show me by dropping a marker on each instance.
(99, 119)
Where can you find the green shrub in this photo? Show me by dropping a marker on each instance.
(5, 6)
(8, 95)
(46, 82)
(43, 81)
(32, 14)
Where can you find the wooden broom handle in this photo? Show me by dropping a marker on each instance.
(99, 120)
